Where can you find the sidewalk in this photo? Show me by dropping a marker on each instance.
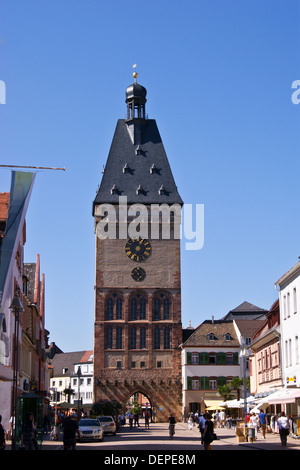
(228, 437)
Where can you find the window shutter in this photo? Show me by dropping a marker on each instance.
(221, 381)
(188, 358)
(236, 358)
(203, 358)
(221, 358)
(189, 383)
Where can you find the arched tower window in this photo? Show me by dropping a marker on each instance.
(114, 307)
(167, 338)
(109, 309)
(119, 341)
(138, 307)
(156, 337)
(161, 307)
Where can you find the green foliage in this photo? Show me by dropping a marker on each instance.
(225, 392)
(106, 408)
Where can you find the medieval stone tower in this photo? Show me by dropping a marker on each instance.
(138, 329)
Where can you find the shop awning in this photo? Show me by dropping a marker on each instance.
(287, 395)
(212, 403)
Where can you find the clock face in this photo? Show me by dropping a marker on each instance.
(138, 274)
(138, 249)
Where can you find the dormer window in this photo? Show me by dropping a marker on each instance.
(211, 337)
(126, 168)
(114, 190)
(227, 337)
(153, 169)
(138, 150)
(162, 190)
(139, 189)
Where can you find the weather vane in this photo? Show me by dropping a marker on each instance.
(135, 74)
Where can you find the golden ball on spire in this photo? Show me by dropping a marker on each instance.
(135, 75)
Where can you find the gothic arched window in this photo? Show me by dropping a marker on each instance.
(133, 308)
(119, 309)
(161, 307)
(137, 307)
(167, 338)
(108, 337)
(119, 341)
(114, 307)
(109, 309)
(156, 337)
(132, 344)
(143, 338)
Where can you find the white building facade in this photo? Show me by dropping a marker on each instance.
(210, 358)
(289, 299)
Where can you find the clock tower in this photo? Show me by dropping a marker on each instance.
(137, 213)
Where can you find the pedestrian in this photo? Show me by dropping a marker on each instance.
(263, 423)
(208, 432)
(254, 422)
(130, 420)
(201, 426)
(147, 419)
(284, 428)
(2, 435)
(28, 433)
(136, 419)
(70, 429)
(222, 417)
(190, 423)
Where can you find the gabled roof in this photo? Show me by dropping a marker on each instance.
(66, 361)
(219, 329)
(140, 172)
(246, 311)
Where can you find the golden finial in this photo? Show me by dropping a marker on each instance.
(135, 74)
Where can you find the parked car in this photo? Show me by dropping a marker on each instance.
(108, 424)
(90, 429)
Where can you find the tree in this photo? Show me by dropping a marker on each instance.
(136, 407)
(106, 408)
(236, 383)
(225, 392)
(68, 392)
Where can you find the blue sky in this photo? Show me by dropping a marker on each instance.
(218, 75)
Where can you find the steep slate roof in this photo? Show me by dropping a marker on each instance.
(246, 311)
(66, 361)
(219, 328)
(138, 168)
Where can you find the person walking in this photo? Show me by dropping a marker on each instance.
(190, 423)
(208, 432)
(222, 417)
(28, 433)
(130, 420)
(70, 429)
(201, 426)
(284, 428)
(263, 423)
(253, 422)
(147, 419)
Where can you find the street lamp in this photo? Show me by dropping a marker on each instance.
(17, 307)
